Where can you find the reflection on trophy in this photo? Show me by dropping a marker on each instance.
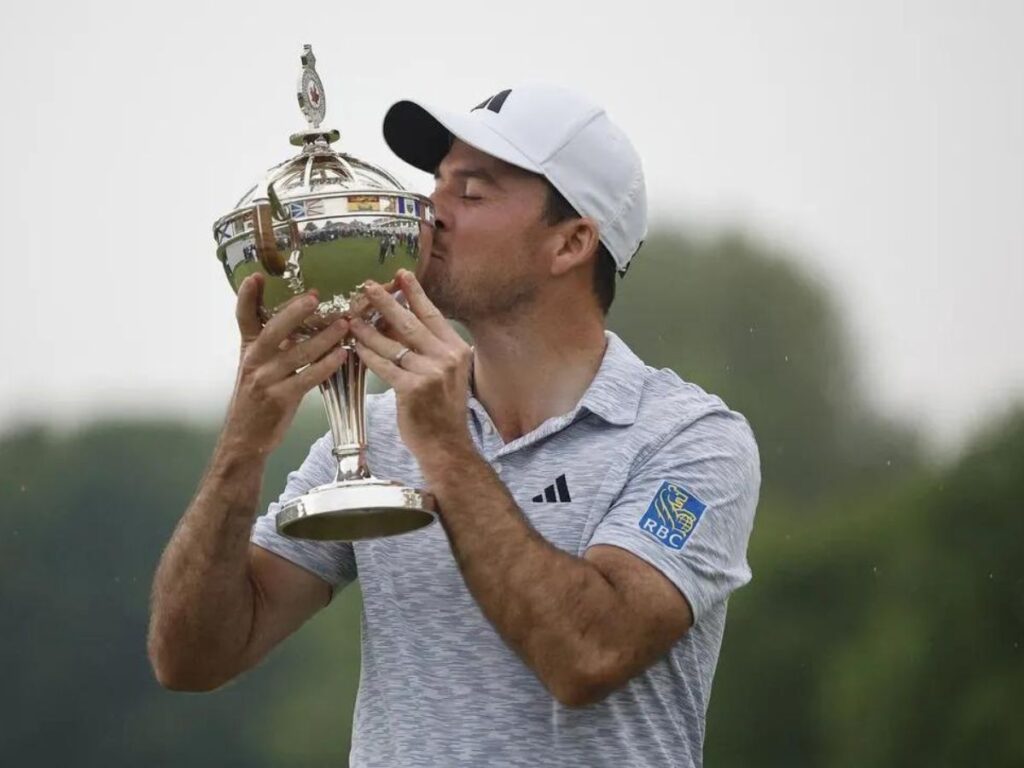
(327, 221)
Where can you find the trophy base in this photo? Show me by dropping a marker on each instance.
(356, 510)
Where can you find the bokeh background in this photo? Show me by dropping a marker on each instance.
(837, 192)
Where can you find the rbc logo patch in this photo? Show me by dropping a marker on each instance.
(673, 514)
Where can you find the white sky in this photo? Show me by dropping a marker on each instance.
(880, 141)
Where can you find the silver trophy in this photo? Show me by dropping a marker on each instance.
(327, 221)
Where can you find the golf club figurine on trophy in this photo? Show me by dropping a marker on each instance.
(327, 221)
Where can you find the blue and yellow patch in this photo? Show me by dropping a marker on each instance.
(673, 514)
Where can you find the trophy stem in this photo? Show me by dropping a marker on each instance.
(344, 394)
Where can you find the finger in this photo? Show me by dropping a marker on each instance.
(247, 308)
(287, 319)
(388, 349)
(312, 349)
(317, 373)
(397, 377)
(372, 338)
(360, 304)
(424, 308)
(403, 324)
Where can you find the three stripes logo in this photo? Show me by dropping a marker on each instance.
(556, 492)
(494, 103)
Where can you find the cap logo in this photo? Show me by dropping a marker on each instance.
(494, 102)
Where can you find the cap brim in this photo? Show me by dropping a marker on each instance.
(422, 136)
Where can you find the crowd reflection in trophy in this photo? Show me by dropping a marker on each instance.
(398, 235)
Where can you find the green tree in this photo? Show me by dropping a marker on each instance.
(747, 324)
(935, 672)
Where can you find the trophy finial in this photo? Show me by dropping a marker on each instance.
(312, 100)
(308, 57)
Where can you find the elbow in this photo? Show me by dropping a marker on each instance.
(577, 697)
(181, 679)
(174, 673)
(582, 687)
(170, 675)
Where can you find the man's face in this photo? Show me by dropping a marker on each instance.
(488, 255)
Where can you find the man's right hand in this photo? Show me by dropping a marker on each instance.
(268, 389)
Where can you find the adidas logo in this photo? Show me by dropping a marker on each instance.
(549, 494)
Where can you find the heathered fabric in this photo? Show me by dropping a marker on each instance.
(439, 687)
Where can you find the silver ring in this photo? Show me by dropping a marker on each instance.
(397, 357)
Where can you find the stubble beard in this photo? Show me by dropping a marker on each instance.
(460, 300)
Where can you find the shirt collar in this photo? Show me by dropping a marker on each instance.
(614, 393)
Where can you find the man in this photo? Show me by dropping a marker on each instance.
(594, 511)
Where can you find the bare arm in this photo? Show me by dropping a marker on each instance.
(585, 626)
(219, 603)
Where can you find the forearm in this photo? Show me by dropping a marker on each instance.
(551, 607)
(203, 602)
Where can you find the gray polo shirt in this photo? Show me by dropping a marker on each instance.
(646, 462)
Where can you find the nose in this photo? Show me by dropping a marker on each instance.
(441, 213)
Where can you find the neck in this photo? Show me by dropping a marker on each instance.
(534, 368)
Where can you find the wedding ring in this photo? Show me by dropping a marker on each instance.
(397, 358)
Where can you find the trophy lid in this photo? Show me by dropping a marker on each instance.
(319, 169)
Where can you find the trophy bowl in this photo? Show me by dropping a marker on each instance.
(326, 221)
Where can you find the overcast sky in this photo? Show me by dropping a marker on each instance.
(881, 142)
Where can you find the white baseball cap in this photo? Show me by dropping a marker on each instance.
(550, 131)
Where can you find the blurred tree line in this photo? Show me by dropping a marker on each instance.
(883, 626)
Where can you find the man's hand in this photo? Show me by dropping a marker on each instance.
(432, 383)
(268, 390)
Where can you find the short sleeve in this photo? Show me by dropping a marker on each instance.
(332, 561)
(688, 508)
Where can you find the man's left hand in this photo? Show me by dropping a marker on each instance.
(431, 382)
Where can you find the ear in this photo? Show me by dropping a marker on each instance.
(578, 244)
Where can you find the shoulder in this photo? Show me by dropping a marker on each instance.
(683, 420)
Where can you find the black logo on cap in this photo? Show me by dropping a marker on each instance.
(494, 102)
